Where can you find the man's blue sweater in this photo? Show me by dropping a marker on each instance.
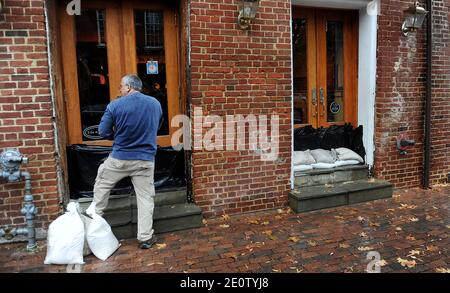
(132, 121)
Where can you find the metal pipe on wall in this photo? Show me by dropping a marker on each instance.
(427, 134)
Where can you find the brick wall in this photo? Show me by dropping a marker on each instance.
(400, 96)
(26, 109)
(440, 120)
(241, 72)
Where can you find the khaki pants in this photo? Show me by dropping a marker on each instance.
(141, 173)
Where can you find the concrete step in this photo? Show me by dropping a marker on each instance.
(165, 219)
(162, 198)
(343, 193)
(171, 213)
(318, 177)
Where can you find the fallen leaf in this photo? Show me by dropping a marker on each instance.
(224, 226)
(280, 211)
(413, 219)
(365, 248)
(348, 270)
(442, 270)
(344, 245)
(278, 217)
(339, 217)
(391, 210)
(312, 243)
(265, 223)
(374, 224)
(255, 222)
(407, 206)
(294, 239)
(225, 217)
(398, 229)
(411, 238)
(381, 263)
(428, 217)
(161, 245)
(205, 222)
(448, 226)
(275, 270)
(432, 248)
(414, 252)
(407, 263)
(361, 219)
(190, 262)
(363, 234)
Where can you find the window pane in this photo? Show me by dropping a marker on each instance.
(335, 72)
(300, 71)
(150, 54)
(92, 65)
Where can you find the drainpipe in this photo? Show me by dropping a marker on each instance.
(10, 161)
(427, 134)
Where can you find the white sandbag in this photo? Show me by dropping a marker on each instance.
(100, 238)
(323, 166)
(346, 163)
(65, 238)
(303, 168)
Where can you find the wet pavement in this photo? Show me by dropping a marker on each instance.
(406, 233)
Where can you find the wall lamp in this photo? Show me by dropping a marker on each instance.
(247, 12)
(414, 17)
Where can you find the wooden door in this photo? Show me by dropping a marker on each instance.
(108, 40)
(325, 66)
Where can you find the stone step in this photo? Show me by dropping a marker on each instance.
(171, 213)
(317, 177)
(343, 193)
(162, 198)
(165, 219)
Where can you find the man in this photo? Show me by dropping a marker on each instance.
(132, 121)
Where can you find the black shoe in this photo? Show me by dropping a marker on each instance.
(147, 243)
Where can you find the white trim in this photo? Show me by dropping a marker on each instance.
(367, 70)
(292, 102)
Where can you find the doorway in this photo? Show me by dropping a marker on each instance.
(325, 66)
(108, 40)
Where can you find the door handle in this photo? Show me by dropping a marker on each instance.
(322, 101)
(314, 101)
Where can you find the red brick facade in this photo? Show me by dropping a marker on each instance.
(26, 109)
(400, 96)
(232, 72)
(241, 72)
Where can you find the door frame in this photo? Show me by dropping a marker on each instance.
(316, 63)
(119, 19)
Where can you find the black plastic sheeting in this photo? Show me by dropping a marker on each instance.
(335, 136)
(84, 160)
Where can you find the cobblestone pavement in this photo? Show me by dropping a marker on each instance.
(409, 231)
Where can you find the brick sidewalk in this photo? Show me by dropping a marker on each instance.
(410, 231)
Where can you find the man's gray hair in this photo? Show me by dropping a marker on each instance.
(133, 81)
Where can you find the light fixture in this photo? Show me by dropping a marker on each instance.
(414, 17)
(247, 12)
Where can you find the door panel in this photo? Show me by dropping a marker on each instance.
(331, 61)
(107, 41)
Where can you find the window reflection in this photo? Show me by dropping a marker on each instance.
(300, 71)
(335, 72)
(92, 66)
(151, 64)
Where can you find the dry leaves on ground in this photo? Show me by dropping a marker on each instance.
(294, 239)
(442, 270)
(225, 217)
(406, 263)
(344, 245)
(224, 226)
(161, 245)
(413, 219)
(312, 243)
(407, 206)
(410, 237)
(432, 248)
